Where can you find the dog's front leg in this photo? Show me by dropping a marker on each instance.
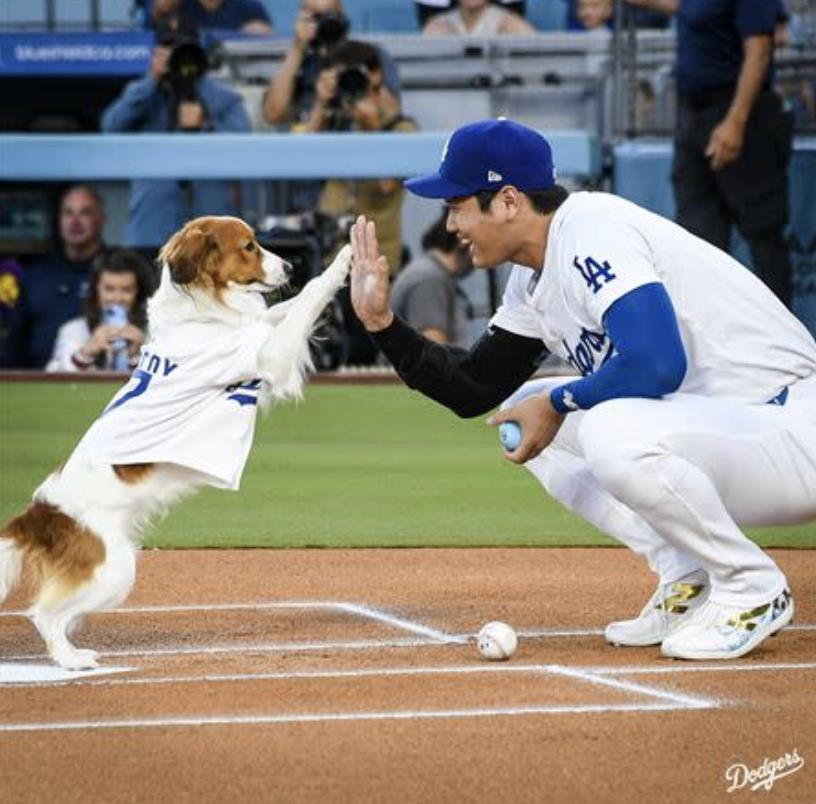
(285, 357)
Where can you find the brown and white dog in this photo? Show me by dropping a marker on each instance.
(184, 420)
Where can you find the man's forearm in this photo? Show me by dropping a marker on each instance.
(469, 382)
(279, 95)
(757, 50)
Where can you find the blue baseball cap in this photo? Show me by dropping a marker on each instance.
(485, 156)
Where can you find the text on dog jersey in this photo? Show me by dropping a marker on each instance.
(153, 363)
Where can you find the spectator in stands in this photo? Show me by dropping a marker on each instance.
(477, 18)
(321, 26)
(430, 8)
(426, 294)
(590, 15)
(733, 138)
(53, 289)
(245, 16)
(120, 283)
(175, 95)
(351, 97)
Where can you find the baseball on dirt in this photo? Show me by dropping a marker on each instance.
(497, 641)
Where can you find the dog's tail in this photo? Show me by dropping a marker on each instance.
(11, 565)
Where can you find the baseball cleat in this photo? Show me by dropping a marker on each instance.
(668, 608)
(724, 632)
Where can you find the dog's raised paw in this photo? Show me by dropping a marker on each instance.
(339, 268)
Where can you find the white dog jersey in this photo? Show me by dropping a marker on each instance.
(192, 400)
(740, 341)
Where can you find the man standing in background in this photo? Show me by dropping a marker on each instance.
(733, 139)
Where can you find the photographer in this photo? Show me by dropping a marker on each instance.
(290, 99)
(175, 95)
(351, 97)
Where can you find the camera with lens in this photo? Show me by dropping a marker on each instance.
(332, 28)
(188, 59)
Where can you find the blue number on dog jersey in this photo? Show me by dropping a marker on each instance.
(592, 273)
(142, 379)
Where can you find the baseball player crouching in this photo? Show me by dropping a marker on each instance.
(693, 409)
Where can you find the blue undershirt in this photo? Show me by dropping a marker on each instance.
(649, 359)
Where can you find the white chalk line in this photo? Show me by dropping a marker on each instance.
(271, 647)
(356, 609)
(328, 717)
(610, 670)
(688, 701)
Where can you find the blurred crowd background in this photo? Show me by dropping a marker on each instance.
(76, 259)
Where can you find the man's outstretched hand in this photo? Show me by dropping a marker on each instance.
(370, 278)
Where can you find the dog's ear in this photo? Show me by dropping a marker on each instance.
(186, 252)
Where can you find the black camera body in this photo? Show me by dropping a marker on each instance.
(188, 59)
(331, 29)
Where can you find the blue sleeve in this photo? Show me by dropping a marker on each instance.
(132, 108)
(224, 106)
(756, 17)
(649, 359)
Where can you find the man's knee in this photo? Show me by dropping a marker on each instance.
(620, 452)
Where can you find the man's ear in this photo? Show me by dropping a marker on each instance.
(185, 254)
(511, 200)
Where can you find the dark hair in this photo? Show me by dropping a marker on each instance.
(352, 53)
(120, 261)
(438, 236)
(543, 201)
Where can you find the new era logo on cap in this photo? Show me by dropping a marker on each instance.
(485, 155)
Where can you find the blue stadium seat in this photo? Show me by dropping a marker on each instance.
(547, 15)
(366, 16)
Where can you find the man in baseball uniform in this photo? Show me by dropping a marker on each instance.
(693, 408)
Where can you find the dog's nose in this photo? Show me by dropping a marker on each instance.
(288, 269)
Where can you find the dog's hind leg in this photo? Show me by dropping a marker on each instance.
(58, 611)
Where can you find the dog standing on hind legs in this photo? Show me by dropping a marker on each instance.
(184, 420)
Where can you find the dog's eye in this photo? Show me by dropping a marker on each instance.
(250, 246)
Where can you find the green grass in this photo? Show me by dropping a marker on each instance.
(352, 466)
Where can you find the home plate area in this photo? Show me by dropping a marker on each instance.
(299, 661)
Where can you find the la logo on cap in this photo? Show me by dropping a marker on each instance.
(493, 176)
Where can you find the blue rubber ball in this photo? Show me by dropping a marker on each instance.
(510, 435)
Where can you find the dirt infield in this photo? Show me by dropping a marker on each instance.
(347, 675)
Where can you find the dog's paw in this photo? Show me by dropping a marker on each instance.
(77, 659)
(338, 271)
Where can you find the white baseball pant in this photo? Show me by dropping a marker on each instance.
(675, 478)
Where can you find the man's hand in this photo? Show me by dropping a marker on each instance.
(101, 340)
(725, 143)
(134, 337)
(159, 62)
(370, 278)
(539, 422)
(305, 30)
(326, 86)
(190, 115)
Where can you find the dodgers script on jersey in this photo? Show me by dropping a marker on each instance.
(740, 340)
(192, 400)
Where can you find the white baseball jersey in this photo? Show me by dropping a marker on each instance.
(740, 341)
(192, 400)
